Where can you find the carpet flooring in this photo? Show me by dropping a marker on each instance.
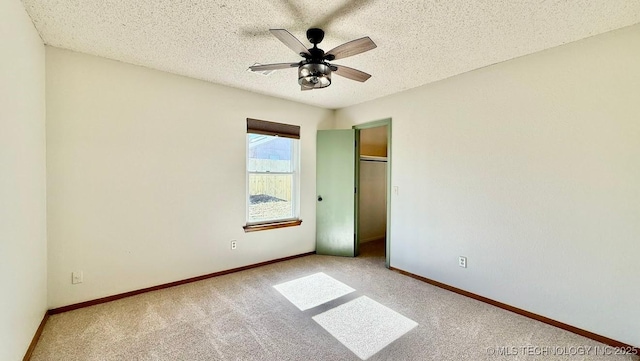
(312, 291)
(364, 326)
(241, 316)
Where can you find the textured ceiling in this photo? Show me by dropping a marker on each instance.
(419, 42)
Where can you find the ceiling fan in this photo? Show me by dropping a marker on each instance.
(314, 71)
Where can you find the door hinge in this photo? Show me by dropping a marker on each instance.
(355, 190)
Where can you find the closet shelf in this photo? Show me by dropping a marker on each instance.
(371, 158)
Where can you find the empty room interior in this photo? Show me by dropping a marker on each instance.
(420, 180)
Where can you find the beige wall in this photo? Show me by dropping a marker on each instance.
(531, 169)
(146, 177)
(23, 232)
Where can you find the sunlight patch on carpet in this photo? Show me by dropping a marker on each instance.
(314, 290)
(364, 326)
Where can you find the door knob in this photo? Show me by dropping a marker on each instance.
(319, 198)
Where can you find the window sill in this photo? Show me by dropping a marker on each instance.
(271, 225)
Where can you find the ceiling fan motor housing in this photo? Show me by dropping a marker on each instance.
(315, 35)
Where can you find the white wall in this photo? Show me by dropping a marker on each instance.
(23, 232)
(146, 177)
(531, 169)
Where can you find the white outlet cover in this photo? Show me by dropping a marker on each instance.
(462, 262)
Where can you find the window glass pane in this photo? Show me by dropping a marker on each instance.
(270, 197)
(270, 154)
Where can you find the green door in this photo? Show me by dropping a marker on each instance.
(335, 188)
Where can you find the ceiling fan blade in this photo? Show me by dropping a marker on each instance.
(351, 73)
(351, 48)
(290, 41)
(275, 66)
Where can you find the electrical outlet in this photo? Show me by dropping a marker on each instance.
(234, 244)
(462, 261)
(76, 277)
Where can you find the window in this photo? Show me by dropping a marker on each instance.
(272, 175)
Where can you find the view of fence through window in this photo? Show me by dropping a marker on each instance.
(271, 167)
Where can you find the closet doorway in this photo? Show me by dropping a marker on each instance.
(373, 174)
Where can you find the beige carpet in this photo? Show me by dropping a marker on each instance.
(313, 290)
(364, 326)
(241, 316)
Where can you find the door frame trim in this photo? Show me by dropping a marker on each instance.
(374, 124)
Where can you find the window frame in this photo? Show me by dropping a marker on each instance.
(290, 132)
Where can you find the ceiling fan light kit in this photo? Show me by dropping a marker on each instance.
(314, 76)
(314, 71)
